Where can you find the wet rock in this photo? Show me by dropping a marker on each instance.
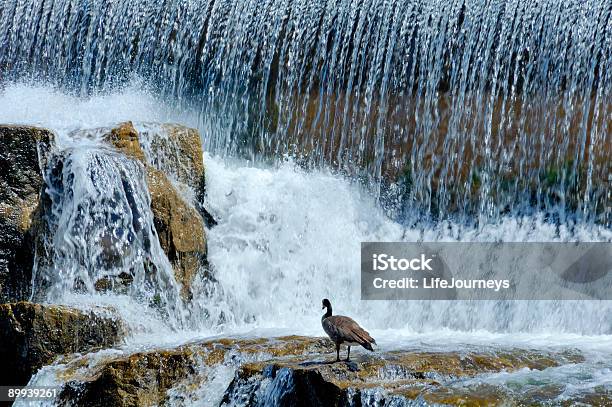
(179, 226)
(175, 150)
(23, 155)
(33, 335)
(125, 138)
(395, 378)
(180, 229)
(600, 397)
(299, 371)
(144, 378)
(119, 283)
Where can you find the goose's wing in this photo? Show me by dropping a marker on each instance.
(346, 329)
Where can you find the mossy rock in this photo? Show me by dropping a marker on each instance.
(33, 335)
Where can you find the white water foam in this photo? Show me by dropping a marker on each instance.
(287, 238)
(45, 106)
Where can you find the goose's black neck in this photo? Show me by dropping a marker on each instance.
(328, 313)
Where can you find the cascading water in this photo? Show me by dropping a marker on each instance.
(367, 121)
(296, 234)
(495, 106)
(100, 231)
(478, 108)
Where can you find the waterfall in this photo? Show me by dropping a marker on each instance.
(325, 123)
(297, 234)
(449, 113)
(466, 110)
(100, 236)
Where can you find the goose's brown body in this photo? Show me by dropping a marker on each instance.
(344, 330)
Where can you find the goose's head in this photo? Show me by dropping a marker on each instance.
(326, 304)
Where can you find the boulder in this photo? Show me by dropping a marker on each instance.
(24, 152)
(180, 230)
(145, 378)
(300, 371)
(175, 150)
(33, 335)
(390, 378)
(178, 224)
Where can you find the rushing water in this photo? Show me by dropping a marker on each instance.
(281, 229)
(478, 108)
(295, 233)
(100, 228)
(326, 123)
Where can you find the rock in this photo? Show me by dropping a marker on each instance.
(180, 230)
(33, 335)
(118, 284)
(299, 371)
(23, 156)
(175, 150)
(125, 138)
(178, 224)
(145, 378)
(393, 377)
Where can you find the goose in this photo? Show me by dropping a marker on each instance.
(341, 329)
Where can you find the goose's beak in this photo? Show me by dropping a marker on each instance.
(323, 307)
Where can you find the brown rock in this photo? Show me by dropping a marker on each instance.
(175, 150)
(143, 378)
(23, 156)
(125, 138)
(180, 229)
(393, 377)
(298, 371)
(33, 335)
(179, 225)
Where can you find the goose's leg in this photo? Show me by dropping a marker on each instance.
(348, 353)
(337, 352)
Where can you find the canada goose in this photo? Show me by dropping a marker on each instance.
(341, 329)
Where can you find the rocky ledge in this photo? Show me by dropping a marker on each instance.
(149, 378)
(34, 335)
(396, 378)
(172, 158)
(299, 371)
